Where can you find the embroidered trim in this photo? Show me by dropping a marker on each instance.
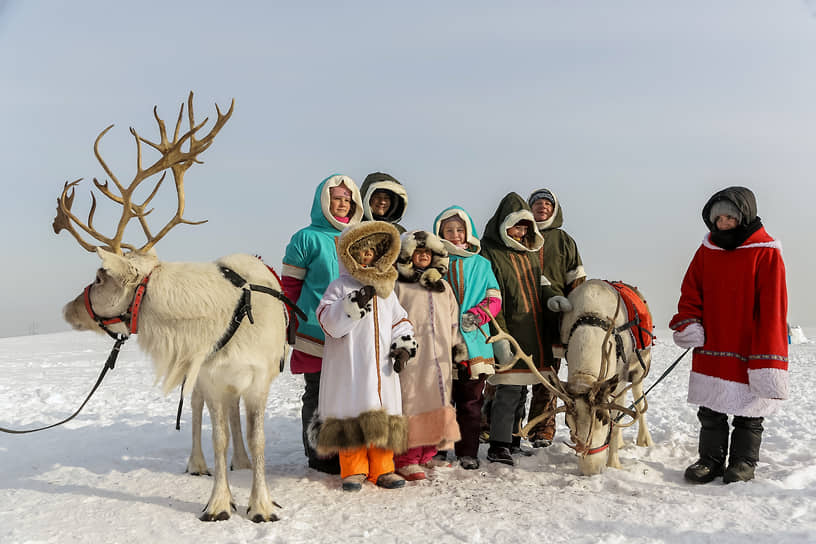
(767, 357)
(683, 322)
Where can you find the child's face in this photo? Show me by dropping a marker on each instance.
(726, 222)
(366, 256)
(340, 205)
(421, 258)
(380, 201)
(542, 209)
(517, 232)
(453, 230)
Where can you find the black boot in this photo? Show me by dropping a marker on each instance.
(745, 441)
(499, 452)
(712, 448)
(517, 449)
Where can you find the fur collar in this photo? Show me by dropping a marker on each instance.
(431, 277)
(381, 274)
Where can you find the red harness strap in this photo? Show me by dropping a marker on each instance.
(637, 312)
(129, 318)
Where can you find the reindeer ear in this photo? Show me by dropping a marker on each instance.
(114, 264)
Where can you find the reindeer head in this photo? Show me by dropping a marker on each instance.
(125, 265)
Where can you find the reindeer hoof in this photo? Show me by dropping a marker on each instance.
(259, 518)
(221, 516)
(196, 473)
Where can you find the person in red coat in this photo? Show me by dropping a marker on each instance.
(733, 312)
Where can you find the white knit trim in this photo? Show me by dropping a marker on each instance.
(293, 271)
(309, 347)
(776, 244)
(471, 239)
(511, 220)
(728, 397)
(325, 199)
(481, 368)
(524, 377)
(387, 185)
(573, 275)
(768, 383)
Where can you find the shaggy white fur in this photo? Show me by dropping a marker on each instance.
(187, 308)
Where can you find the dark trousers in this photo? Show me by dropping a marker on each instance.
(311, 394)
(507, 413)
(467, 397)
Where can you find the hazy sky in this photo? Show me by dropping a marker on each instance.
(633, 112)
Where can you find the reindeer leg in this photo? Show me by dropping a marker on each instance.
(220, 503)
(615, 440)
(240, 460)
(644, 437)
(197, 465)
(261, 506)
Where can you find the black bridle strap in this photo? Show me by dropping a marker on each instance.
(109, 364)
(242, 309)
(660, 379)
(240, 282)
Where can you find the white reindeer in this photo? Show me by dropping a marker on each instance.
(204, 324)
(602, 357)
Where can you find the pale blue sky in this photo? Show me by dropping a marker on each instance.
(633, 111)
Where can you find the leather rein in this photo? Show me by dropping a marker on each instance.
(131, 320)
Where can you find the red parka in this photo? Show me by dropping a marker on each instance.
(739, 297)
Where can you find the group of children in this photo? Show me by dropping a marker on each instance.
(393, 349)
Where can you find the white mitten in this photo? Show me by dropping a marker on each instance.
(502, 352)
(469, 321)
(559, 304)
(692, 336)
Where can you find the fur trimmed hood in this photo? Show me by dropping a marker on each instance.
(431, 277)
(556, 220)
(474, 245)
(510, 211)
(380, 181)
(384, 237)
(320, 215)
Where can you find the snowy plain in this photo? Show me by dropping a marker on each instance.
(115, 474)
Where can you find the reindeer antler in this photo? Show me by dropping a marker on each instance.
(520, 355)
(173, 157)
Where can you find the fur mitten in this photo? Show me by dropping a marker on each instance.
(400, 357)
(693, 336)
(503, 352)
(358, 303)
(470, 321)
(559, 304)
(403, 349)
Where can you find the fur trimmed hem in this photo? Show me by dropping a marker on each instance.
(435, 428)
(375, 428)
(768, 383)
(728, 397)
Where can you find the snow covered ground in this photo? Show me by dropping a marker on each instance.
(116, 472)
